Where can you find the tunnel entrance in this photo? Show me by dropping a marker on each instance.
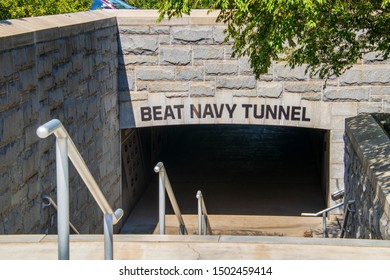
(240, 169)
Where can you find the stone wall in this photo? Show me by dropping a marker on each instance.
(166, 68)
(62, 67)
(367, 178)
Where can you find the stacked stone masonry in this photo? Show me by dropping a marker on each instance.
(65, 68)
(367, 179)
(187, 60)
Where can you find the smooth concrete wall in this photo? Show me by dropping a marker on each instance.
(63, 67)
(367, 178)
(181, 72)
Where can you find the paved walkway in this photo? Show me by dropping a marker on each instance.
(156, 247)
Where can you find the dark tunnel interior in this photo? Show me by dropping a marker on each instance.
(241, 169)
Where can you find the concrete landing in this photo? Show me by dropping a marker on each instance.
(249, 225)
(156, 247)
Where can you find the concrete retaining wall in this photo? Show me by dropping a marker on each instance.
(62, 67)
(367, 177)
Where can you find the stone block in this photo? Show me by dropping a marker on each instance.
(126, 80)
(28, 80)
(5, 69)
(311, 96)
(386, 104)
(158, 29)
(283, 72)
(134, 29)
(221, 68)
(56, 97)
(369, 108)
(344, 109)
(240, 93)
(219, 34)
(302, 87)
(245, 66)
(202, 89)
(269, 89)
(237, 82)
(155, 73)
(366, 74)
(164, 39)
(189, 73)
(344, 94)
(380, 90)
(23, 58)
(337, 171)
(13, 94)
(30, 221)
(192, 35)
(139, 44)
(139, 96)
(12, 123)
(168, 86)
(376, 98)
(372, 57)
(175, 55)
(30, 134)
(176, 94)
(134, 60)
(208, 52)
(337, 136)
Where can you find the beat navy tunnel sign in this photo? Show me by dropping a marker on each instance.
(222, 111)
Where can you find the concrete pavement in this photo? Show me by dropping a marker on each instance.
(167, 247)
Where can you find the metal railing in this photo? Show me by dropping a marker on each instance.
(349, 210)
(66, 148)
(165, 185)
(323, 213)
(203, 218)
(54, 205)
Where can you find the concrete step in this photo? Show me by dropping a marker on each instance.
(169, 247)
(250, 225)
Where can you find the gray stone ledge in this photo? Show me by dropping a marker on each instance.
(372, 147)
(149, 17)
(22, 32)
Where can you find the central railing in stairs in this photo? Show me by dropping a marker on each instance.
(66, 148)
(165, 185)
(203, 218)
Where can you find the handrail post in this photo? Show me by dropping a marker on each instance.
(63, 197)
(200, 213)
(324, 224)
(161, 204)
(108, 237)
(206, 224)
(65, 148)
(165, 185)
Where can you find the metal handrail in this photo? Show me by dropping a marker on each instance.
(203, 218)
(66, 148)
(165, 185)
(52, 203)
(323, 213)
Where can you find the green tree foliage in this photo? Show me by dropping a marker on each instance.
(155, 4)
(327, 36)
(10, 9)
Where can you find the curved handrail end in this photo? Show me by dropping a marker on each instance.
(118, 215)
(159, 166)
(48, 128)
